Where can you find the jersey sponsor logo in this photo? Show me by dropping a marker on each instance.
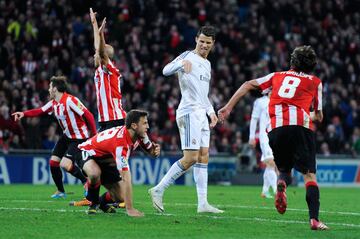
(204, 78)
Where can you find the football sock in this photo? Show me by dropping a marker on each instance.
(201, 181)
(76, 172)
(106, 198)
(93, 192)
(266, 183)
(175, 171)
(313, 199)
(272, 177)
(57, 175)
(286, 177)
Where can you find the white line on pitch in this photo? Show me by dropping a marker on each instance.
(193, 204)
(269, 208)
(182, 215)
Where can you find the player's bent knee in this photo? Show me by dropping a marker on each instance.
(66, 164)
(92, 170)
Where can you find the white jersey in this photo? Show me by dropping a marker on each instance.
(194, 86)
(260, 114)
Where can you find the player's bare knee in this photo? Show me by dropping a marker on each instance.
(309, 177)
(189, 159)
(203, 156)
(270, 163)
(92, 170)
(55, 158)
(66, 164)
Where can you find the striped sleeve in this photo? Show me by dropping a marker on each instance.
(75, 104)
(48, 108)
(265, 83)
(318, 97)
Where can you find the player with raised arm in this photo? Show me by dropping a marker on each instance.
(194, 74)
(292, 137)
(118, 142)
(260, 115)
(77, 123)
(107, 80)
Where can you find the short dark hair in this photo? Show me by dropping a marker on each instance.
(303, 58)
(60, 83)
(208, 31)
(134, 117)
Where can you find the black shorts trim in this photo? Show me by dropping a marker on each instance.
(293, 147)
(110, 124)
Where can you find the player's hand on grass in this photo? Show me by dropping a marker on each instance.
(214, 120)
(187, 66)
(134, 213)
(17, 115)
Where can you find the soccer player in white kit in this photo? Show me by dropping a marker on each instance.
(260, 114)
(194, 73)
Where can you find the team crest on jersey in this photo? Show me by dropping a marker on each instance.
(193, 141)
(122, 160)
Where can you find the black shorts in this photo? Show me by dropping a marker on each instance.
(109, 172)
(65, 146)
(110, 124)
(293, 147)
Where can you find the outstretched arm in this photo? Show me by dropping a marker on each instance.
(28, 113)
(243, 90)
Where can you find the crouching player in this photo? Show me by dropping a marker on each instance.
(117, 142)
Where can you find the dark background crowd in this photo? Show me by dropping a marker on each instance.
(42, 38)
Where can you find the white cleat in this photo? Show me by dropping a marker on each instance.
(208, 208)
(157, 199)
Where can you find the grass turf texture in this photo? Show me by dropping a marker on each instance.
(28, 212)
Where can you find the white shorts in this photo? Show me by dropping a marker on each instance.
(194, 130)
(266, 152)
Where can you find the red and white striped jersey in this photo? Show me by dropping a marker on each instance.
(117, 142)
(108, 93)
(293, 94)
(69, 111)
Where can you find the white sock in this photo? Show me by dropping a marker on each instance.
(266, 183)
(272, 179)
(201, 180)
(175, 171)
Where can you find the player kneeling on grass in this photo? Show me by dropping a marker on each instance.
(100, 169)
(291, 134)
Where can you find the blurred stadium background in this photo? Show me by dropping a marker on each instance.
(41, 38)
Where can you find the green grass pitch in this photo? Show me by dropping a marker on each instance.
(27, 211)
